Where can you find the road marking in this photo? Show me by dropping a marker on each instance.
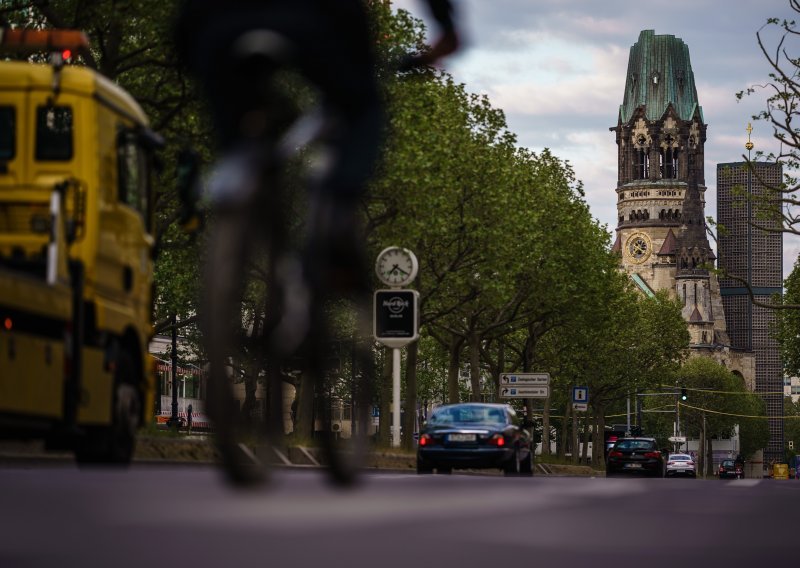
(744, 482)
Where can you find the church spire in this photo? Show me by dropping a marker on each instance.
(694, 251)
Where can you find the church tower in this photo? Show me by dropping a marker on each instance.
(661, 229)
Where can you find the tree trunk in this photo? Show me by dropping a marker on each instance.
(563, 435)
(385, 420)
(546, 428)
(249, 404)
(453, 395)
(701, 454)
(501, 364)
(575, 440)
(598, 440)
(586, 430)
(252, 370)
(475, 367)
(709, 463)
(304, 422)
(410, 417)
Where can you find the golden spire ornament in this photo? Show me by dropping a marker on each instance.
(749, 144)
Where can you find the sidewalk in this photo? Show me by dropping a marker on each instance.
(199, 449)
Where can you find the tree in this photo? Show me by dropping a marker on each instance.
(787, 325)
(791, 428)
(775, 209)
(718, 401)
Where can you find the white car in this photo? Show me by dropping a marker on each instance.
(681, 464)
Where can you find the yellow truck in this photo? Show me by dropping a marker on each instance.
(76, 253)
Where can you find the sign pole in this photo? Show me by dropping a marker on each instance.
(396, 397)
(396, 315)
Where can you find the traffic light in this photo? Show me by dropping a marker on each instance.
(684, 396)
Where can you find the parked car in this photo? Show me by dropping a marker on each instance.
(475, 436)
(635, 456)
(729, 469)
(681, 464)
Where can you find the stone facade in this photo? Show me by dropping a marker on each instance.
(661, 231)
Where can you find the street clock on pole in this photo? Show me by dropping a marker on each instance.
(396, 267)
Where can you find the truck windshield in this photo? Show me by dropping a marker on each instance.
(6, 132)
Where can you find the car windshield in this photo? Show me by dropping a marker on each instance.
(680, 457)
(472, 414)
(727, 463)
(635, 445)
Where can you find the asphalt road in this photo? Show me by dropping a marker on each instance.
(60, 516)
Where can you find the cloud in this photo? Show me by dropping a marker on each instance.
(557, 68)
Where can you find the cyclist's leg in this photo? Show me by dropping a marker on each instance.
(340, 64)
(222, 284)
(246, 117)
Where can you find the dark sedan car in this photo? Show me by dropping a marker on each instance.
(729, 469)
(475, 436)
(635, 455)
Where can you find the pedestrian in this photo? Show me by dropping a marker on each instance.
(189, 418)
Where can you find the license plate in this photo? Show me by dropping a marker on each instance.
(633, 465)
(461, 437)
(681, 470)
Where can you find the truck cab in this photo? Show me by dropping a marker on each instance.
(76, 253)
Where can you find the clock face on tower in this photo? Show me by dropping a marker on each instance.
(638, 247)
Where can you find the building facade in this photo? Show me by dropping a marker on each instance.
(661, 229)
(751, 251)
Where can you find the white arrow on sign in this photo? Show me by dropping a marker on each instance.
(525, 392)
(677, 439)
(524, 378)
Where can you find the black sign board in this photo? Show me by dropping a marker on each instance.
(396, 313)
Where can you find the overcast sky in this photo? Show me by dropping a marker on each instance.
(557, 68)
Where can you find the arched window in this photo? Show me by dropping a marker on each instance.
(668, 162)
(642, 164)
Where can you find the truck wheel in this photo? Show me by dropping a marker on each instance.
(115, 444)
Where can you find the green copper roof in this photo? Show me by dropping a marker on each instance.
(639, 281)
(659, 73)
